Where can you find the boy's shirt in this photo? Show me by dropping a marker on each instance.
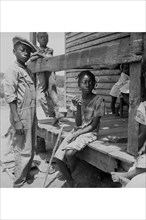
(43, 77)
(18, 86)
(45, 51)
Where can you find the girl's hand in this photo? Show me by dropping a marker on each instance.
(74, 136)
(76, 101)
(19, 128)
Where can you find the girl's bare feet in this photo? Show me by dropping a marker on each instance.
(116, 176)
(124, 181)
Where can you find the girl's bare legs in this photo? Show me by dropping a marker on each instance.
(66, 172)
(71, 159)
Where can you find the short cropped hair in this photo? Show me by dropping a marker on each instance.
(38, 33)
(86, 73)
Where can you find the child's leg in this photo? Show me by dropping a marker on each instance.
(113, 102)
(71, 159)
(65, 171)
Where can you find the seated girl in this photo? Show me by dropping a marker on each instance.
(90, 108)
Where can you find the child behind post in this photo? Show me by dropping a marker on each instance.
(46, 83)
(115, 91)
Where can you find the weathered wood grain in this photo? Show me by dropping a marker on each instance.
(78, 36)
(99, 79)
(99, 85)
(83, 37)
(101, 57)
(74, 73)
(137, 43)
(32, 37)
(134, 101)
(99, 160)
(97, 38)
(109, 40)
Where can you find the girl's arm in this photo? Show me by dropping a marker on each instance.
(89, 128)
(78, 118)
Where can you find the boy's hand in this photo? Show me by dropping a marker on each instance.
(36, 56)
(76, 101)
(19, 128)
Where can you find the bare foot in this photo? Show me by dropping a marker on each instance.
(116, 176)
(124, 181)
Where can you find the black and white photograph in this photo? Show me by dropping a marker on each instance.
(72, 111)
(77, 119)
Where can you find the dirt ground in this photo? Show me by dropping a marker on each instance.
(85, 174)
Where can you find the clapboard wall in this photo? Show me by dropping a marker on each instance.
(106, 78)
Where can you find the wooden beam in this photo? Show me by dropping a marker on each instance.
(101, 57)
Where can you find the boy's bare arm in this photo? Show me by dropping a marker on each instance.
(17, 123)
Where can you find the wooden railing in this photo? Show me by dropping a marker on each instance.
(106, 57)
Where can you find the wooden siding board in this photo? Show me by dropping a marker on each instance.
(100, 85)
(98, 37)
(113, 72)
(99, 79)
(79, 36)
(110, 40)
(85, 37)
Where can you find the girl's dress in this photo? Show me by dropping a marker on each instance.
(115, 91)
(95, 107)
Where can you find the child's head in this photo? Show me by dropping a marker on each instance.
(125, 68)
(42, 38)
(22, 49)
(86, 81)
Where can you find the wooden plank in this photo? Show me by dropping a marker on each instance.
(137, 43)
(95, 39)
(74, 73)
(80, 35)
(112, 150)
(84, 36)
(99, 79)
(97, 91)
(134, 101)
(99, 85)
(70, 34)
(99, 160)
(107, 41)
(101, 57)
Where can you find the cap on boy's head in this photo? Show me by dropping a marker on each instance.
(21, 40)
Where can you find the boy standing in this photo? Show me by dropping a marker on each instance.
(20, 95)
(46, 83)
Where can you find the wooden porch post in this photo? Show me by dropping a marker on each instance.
(32, 37)
(134, 96)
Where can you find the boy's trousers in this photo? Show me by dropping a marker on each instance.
(23, 153)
